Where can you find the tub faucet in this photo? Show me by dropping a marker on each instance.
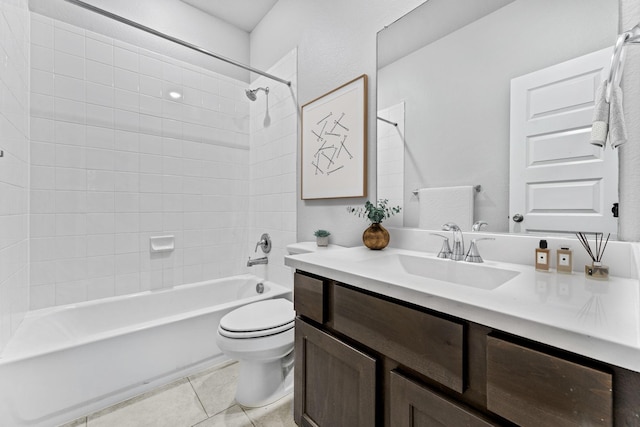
(457, 252)
(256, 261)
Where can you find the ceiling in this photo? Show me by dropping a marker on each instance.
(244, 14)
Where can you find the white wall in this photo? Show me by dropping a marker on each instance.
(172, 17)
(336, 43)
(14, 165)
(273, 170)
(115, 160)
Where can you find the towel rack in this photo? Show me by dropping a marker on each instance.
(617, 59)
(478, 189)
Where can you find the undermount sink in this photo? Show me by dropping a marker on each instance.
(478, 276)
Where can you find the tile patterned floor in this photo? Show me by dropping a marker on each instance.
(201, 400)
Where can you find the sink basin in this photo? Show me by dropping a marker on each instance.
(478, 276)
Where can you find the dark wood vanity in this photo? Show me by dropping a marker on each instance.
(364, 359)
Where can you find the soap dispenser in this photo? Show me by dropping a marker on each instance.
(542, 256)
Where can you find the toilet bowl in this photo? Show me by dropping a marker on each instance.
(260, 336)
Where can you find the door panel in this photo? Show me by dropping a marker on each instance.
(559, 181)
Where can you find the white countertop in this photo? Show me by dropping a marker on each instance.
(597, 319)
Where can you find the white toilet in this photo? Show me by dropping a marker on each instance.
(260, 336)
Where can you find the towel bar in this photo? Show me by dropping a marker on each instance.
(618, 57)
(478, 189)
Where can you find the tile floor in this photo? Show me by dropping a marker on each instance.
(200, 400)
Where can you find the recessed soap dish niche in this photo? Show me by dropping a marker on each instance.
(160, 244)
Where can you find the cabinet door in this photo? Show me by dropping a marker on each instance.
(334, 382)
(413, 405)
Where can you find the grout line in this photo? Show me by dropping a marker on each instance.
(246, 414)
(199, 400)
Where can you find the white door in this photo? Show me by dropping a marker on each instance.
(560, 182)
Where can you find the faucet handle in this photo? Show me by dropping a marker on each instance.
(473, 255)
(445, 251)
(478, 225)
(450, 226)
(264, 243)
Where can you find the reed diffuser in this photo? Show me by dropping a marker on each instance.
(596, 270)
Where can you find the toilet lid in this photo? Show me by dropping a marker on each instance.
(259, 318)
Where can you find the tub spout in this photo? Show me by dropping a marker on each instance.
(256, 261)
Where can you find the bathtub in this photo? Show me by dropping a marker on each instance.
(68, 361)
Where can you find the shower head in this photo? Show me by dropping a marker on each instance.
(252, 93)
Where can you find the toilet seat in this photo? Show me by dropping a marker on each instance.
(259, 319)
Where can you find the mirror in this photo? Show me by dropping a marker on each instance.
(444, 74)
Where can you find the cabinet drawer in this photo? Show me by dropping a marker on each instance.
(425, 343)
(413, 405)
(308, 297)
(532, 388)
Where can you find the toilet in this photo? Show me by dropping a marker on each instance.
(260, 336)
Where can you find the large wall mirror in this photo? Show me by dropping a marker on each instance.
(444, 92)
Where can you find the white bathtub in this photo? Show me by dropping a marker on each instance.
(65, 362)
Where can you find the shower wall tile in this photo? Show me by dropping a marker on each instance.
(116, 160)
(273, 168)
(14, 167)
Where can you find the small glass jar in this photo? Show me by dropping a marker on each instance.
(596, 271)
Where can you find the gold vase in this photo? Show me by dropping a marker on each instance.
(375, 237)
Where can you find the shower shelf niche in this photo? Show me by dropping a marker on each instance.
(162, 243)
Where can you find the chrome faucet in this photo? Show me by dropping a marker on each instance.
(445, 251)
(265, 244)
(256, 261)
(457, 252)
(473, 255)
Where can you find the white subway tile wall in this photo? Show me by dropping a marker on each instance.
(274, 133)
(116, 159)
(14, 165)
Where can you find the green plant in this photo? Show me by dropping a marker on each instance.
(375, 213)
(322, 233)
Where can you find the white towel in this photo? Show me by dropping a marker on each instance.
(617, 126)
(600, 126)
(446, 204)
(608, 118)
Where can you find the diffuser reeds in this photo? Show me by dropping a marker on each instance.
(599, 237)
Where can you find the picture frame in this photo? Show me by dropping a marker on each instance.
(334, 143)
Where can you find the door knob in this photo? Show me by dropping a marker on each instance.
(517, 218)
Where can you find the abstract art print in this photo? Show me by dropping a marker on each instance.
(334, 149)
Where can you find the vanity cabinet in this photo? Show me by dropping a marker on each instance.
(364, 359)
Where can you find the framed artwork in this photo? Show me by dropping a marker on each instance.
(334, 149)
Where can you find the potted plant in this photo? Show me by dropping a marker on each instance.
(376, 236)
(322, 237)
